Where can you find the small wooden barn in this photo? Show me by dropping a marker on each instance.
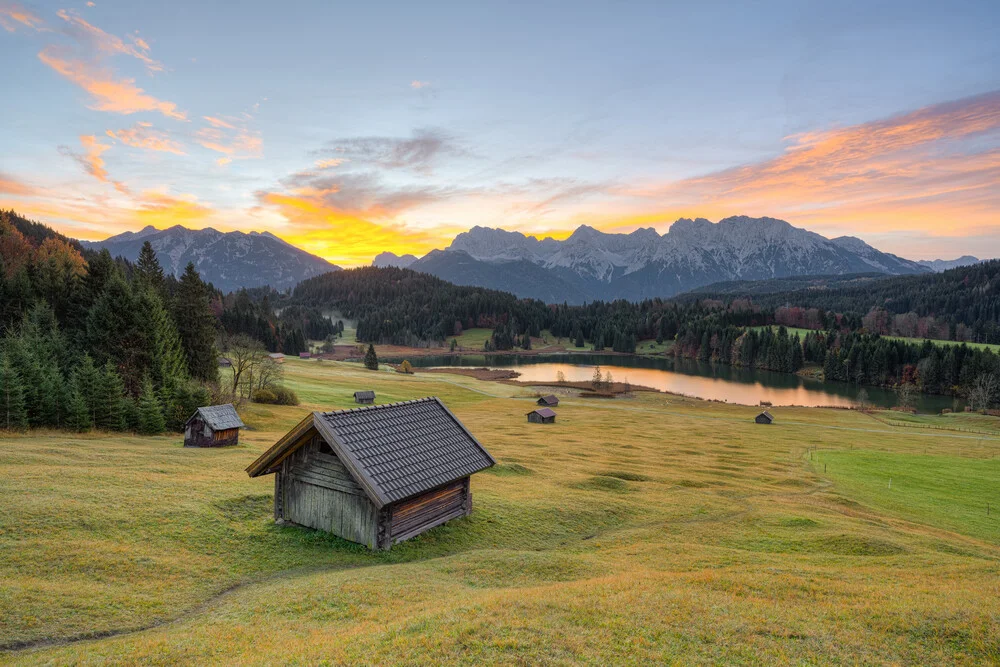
(764, 418)
(305, 355)
(278, 357)
(542, 416)
(213, 426)
(366, 397)
(225, 362)
(376, 475)
(549, 401)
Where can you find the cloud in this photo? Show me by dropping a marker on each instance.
(231, 136)
(163, 210)
(97, 39)
(417, 85)
(91, 160)
(363, 194)
(91, 4)
(330, 163)
(417, 153)
(12, 15)
(11, 186)
(935, 168)
(218, 122)
(142, 135)
(223, 161)
(110, 94)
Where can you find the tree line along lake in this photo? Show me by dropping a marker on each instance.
(688, 377)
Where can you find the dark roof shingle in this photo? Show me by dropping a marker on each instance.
(220, 417)
(544, 412)
(366, 394)
(402, 449)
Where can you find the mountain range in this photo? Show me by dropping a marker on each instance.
(587, 266)
(593, 265)
(229, 260)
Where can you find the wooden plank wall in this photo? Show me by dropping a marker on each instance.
(318, 492)
(432, 508)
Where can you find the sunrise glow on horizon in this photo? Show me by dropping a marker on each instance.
(353, 130)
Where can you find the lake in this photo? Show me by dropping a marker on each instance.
(690, 378)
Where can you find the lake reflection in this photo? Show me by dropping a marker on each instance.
(691, 378)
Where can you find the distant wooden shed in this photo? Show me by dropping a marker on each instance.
(550, 401)
(366, 397)
(305, 355)
(764, 418)
(213, 426)
(376, 475)
(278, 357)
(542, 416)
(225, 362)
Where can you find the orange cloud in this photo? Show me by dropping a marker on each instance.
(231, 137)
(141, 135)
(417, 85)
(110, 94)
(11, 186)
(12, 14)
(92, 162)
(218, 122)
(111, 44)
(331, 162)
(929, 169)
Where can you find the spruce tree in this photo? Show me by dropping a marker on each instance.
(151, 420)
(88, 380)
(77, 414)
(168, 364)
(13, 415)
(371, 359)
(196, 326)
(52, 397)
(110, 410)
(148, 271)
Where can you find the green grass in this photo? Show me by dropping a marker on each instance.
(652, 347)
(968, 422)
(655, 529)
(472, 339)
(919, 341)
(950, 492)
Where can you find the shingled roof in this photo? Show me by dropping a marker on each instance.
(544, 412)
(365, 395)
(394, 451)
(219, 417)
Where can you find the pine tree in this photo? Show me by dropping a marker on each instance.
(118, 332)
(169, 365)
(371, 359)
(13, 415)
(196, 326)
(148, 271)
(88, 380)
(77, 414)
(151, 420)
(110, 410)
(52, 397)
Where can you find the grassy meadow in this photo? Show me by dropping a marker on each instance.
(653, 529)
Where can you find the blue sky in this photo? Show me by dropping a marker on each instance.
(349, 128)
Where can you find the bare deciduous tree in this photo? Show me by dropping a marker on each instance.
(984, 391)
(905, 394)
(246, 355)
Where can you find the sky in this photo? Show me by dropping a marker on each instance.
(351, 128)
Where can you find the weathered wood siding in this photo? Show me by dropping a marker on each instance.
(199, 434)
(317, 491)
(411, 517)
(536, 418)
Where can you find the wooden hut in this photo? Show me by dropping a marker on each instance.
(542, 416)
(764, 418)
(376, 475)
(225, 362)
(549, 401)
(366, 397)
(278, 357)
(213, 426)
(305, 355)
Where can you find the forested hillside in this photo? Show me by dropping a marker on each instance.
(98, 343)
(960, 304)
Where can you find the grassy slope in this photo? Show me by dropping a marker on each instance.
(919, 341)
(644, 530)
